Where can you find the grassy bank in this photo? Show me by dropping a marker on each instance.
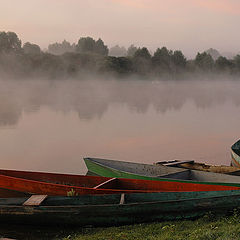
(207, 227)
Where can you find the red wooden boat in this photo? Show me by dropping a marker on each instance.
(21, 183)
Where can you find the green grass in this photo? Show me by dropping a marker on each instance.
(207, 227)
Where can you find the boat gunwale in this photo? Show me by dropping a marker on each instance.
(22, 180)
(124, 204)
(96, 191)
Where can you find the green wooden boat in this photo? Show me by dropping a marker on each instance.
(121, 169)
(116, 209)
(235, 153)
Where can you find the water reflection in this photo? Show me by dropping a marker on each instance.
(51, 125)
(91, 99)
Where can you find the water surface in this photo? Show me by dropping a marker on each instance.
(52, 125)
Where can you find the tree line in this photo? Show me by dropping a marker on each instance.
(93, 56)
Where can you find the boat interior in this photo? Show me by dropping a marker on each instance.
(119, 198)
(96, 182)
(166, 172)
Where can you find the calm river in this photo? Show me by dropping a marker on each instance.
(52, 125)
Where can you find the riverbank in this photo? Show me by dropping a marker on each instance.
(207, 227)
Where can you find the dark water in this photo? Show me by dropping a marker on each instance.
(51, 126)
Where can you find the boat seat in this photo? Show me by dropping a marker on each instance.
(104, 184)
(122, 199)
(177, 163)
(35, 200)
(184, 175)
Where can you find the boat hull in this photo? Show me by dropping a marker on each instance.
(21, 183)
(120, 169)
(235, 154)
(108, 210)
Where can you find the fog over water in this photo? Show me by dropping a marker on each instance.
(52, 125)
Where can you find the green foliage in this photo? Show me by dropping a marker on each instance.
(117, 51)
(91, 56)
(223, 64)
(237, 62)
(179, 60)
(32, 49)
(204, 61)
(142, 53)
(131, 50)
(85, 45)
(120, 65)
(142, 61)
(61, 48)
(100, 48)
(205, 228)
(9, 42)
(89, 45)
(162, 60)
(214, 53)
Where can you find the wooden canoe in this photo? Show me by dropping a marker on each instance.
(235, 153)
(21, 183)
(121, 169)
(191, 164)
(117, 209)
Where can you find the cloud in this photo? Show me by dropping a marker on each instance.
(131, 3)
(221, 6)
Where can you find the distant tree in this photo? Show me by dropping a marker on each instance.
(100, 48)
(190, 66)
(131, 50)
(119, 65)
(142, 61)
(117, 51)
(9, 42)
(89, 45)
(214, 53)
(61, 48)
(31, 49)
(142, 53)
(237, 62)
(49, 65)
(162, 60)
(223, 64)
(179, 59)
(204, 61)
(86, 44)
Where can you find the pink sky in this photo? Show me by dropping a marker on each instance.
(189, 25)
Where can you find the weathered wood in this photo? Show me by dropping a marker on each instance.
(104, 184)
(35, 200)
(178, 163)
(202, 167)
(122, 199)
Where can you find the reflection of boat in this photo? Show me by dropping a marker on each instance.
(116, 209)
(235, 152)
(22, 183)
(201, 166)
(112, 168)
